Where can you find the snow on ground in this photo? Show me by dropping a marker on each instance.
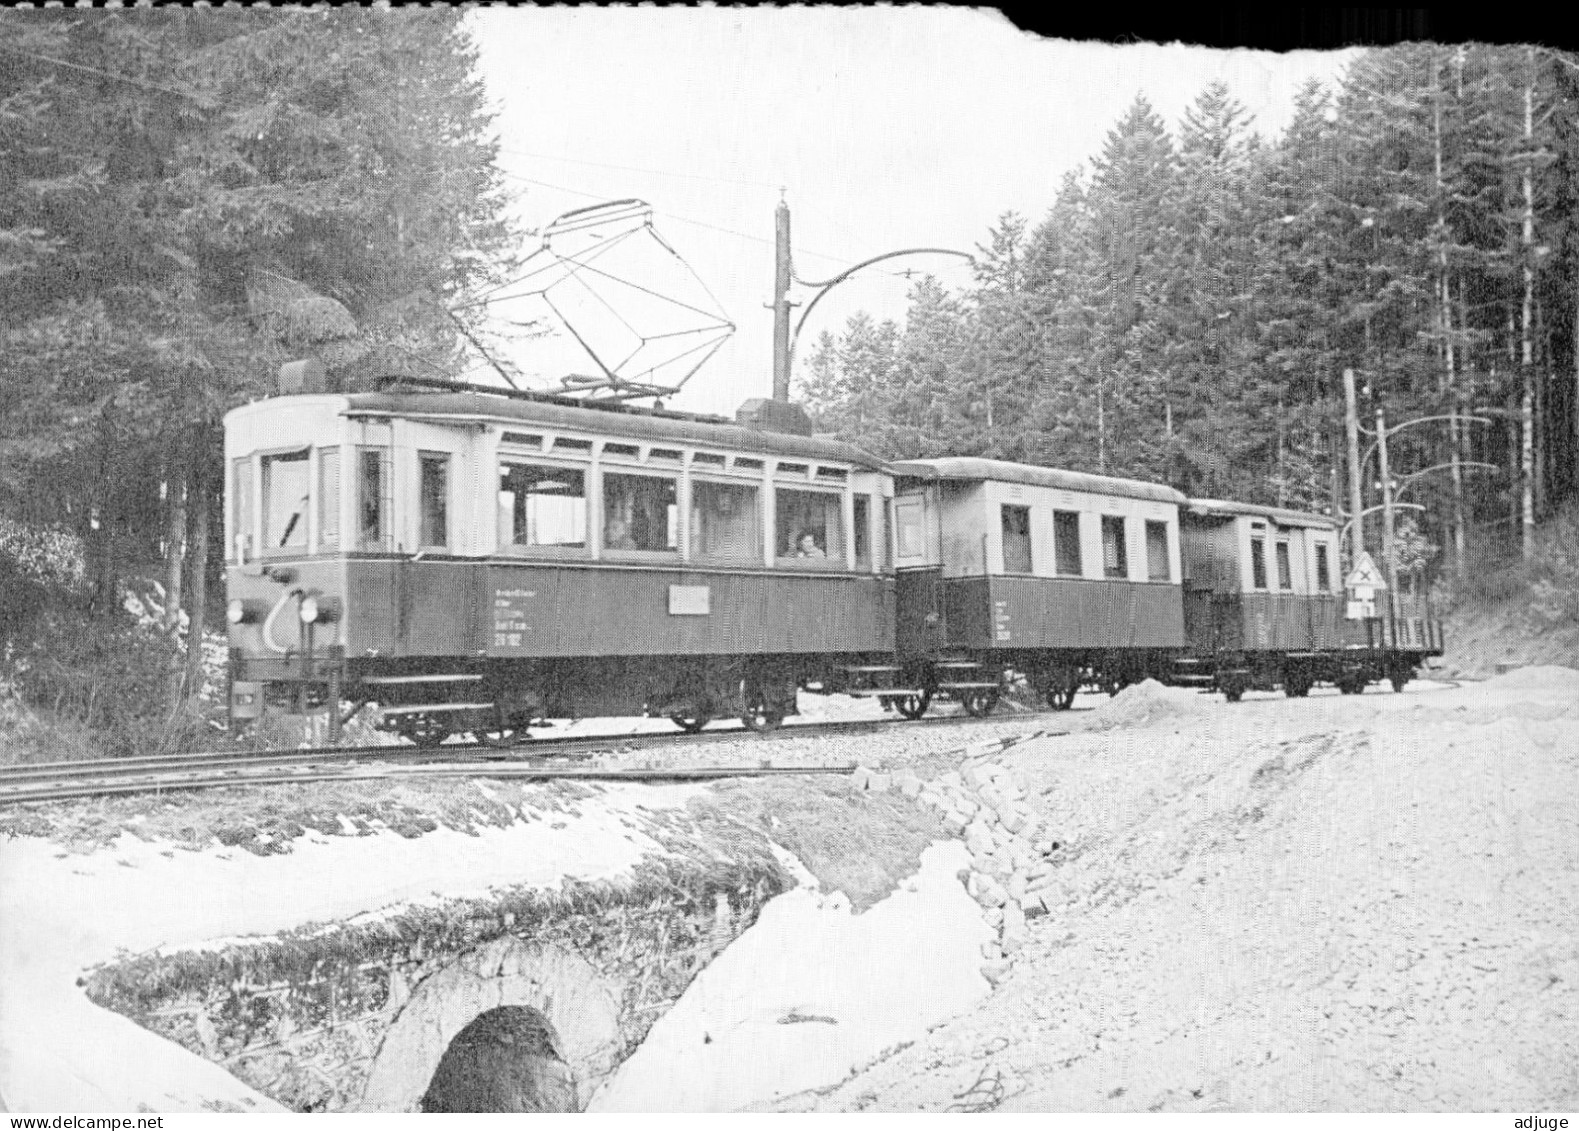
(62, 913)
(1330, 904)
(811, 992)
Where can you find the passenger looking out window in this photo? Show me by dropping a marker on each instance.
(1066, 543)
(640, 512)
(1016, 539)
(542, 506)
(433, 492)
(1115, 554)
(726, 522)
(809, 525)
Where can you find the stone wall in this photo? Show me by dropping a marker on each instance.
(355, 1016)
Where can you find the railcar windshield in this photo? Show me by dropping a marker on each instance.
(286, 496)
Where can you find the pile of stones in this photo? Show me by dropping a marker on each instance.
(1014, 856)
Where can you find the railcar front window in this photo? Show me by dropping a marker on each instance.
(433, 493)
(640, 512)
(1016, 539)
(286, 495)
(1323, 569)
(1115, 555)
(1285, 576)
(912, 528)
(329, 498)
(726, 522)
(809, 526)
(1157, 566)
(1066, 543)
(542, 506)
(1258, 563)
(372, 499)
(241, 495)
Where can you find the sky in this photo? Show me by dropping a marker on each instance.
(884, 128)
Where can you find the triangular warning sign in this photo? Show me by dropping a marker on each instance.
(1364, 575)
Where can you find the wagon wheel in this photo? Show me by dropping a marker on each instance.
(498, 732)
(426, 731)
(913, 706)
(758, 715)
(1296, 686)
(689, 722)
(1113, 685)
(1062, 698)
(979, 704)
(1399, 682)
(1353, 685)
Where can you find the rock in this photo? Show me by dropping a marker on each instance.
(991, 951)
(1041, 884)
(978, 840)
(1044, 847)
(993, 917)
(1014, 937)
(975, 776)
(951, 780)
(908, 784)
(878, 783)
(997, 866)
(973, 884)
(1012, 818)
(1033, 907)
(954, 823)
(1015, 886)
(991, 894)
(860, 778)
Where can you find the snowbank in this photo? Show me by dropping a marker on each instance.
(810, 993)
(1538, 677)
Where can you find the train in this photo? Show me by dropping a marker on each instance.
(477, 560)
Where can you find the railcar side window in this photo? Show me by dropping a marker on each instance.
(542, 506)
(329, 498)
(1285, 576)
(433, 493)
(640, 512)
(1157, 565)
(726, 522)
(372, 499)
(1066, 543)
(1115, 554)
(1323, 569)
(863, 532)
(1016, 539)
(241, 493)
(912, 527)
(1258, 563)
(809, 525)
(286, 492)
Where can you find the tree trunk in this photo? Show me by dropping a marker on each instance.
(197, 591)
(1526, 345)
(175, 542)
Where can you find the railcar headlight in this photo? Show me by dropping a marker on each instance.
(242, 612)
(319, 610)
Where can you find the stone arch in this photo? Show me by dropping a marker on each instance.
(579, 1006)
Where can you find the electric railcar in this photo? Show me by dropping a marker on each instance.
(472, 560)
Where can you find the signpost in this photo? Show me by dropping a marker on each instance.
(1362, 583)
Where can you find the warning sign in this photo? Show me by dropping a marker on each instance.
(1364, 575)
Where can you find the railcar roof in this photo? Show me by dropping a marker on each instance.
(999, 471)
(1225, 508)
(712, 432)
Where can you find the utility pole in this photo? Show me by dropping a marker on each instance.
(1356, 506)
(781, 303)
(1387, 515)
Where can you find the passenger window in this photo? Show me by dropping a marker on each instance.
(863, 532)
(372, 499)
(640, 512)
(329, 498)
(809, 525)
(285, 500)
(1323, 569)
(1016, 539)
(1066, 543)
(1258, 563)
(433, 493)
(726, 522)
(1285, 576)
(912, 528)
(241, 493)
(1158, 567)
(542, 506)
(1115, 554)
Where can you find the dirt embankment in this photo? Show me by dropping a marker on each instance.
(1325, 904)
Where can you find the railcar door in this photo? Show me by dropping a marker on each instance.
(921, 627)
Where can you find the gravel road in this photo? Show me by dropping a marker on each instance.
(1327, 904)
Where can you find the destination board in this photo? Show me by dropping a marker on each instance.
(514, 608)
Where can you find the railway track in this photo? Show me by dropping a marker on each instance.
(534, 759)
